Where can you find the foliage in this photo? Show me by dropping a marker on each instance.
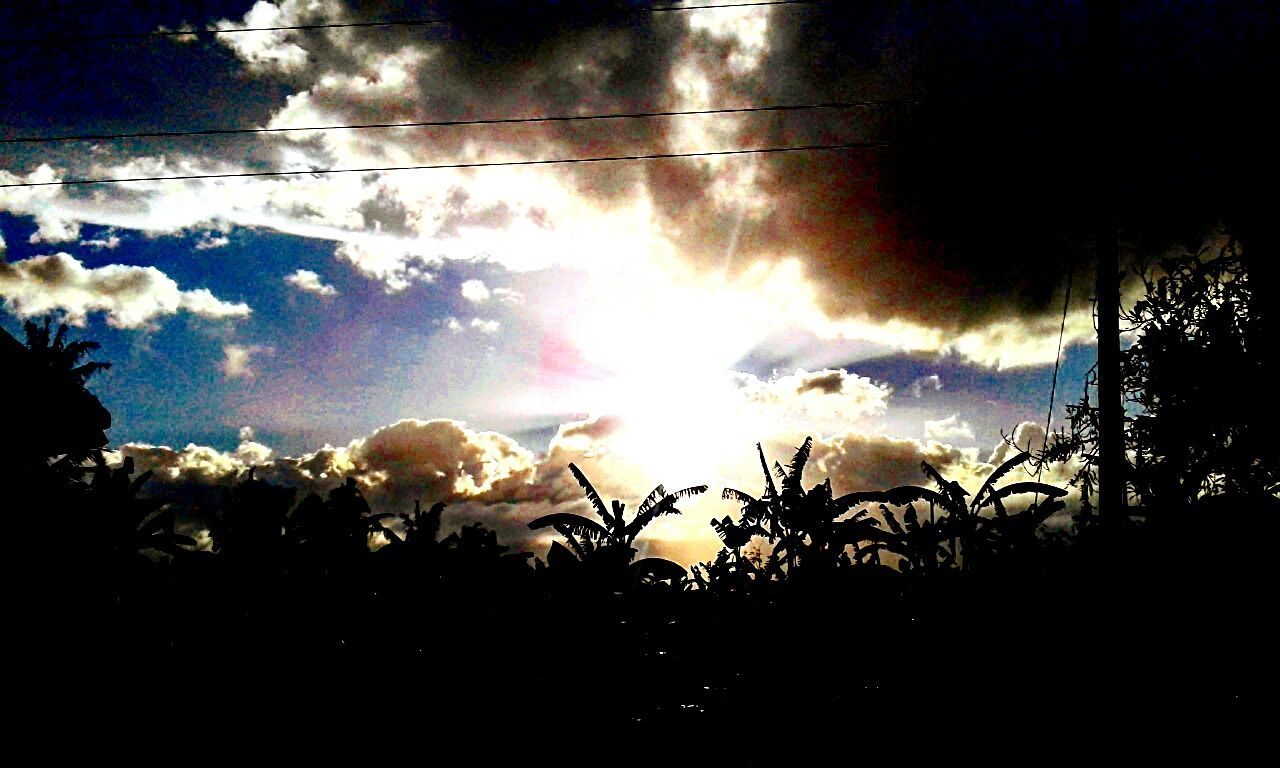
(815, 535)
(1194, 350)
(606, 547)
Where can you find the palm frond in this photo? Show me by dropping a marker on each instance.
(781, 473)
(1044, 489)
(769, 488)
(897, 497)
(576, 524)
(891, 520)
(657, 493)
(796, 467)
(1000, 472)
(733, 494)
(667, 506)
(592, 496)
(659, 569)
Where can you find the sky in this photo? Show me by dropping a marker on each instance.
(462, 335)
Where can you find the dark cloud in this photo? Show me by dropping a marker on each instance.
(991, 198)
(988, 201)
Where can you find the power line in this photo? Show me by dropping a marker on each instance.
(417, 22)
(482, 164)
(1053, 388)
(452, 123)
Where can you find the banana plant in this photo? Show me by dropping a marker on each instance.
(609, 542)
(965, 523)
(121, 521)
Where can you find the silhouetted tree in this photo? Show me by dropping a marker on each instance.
(977, 527)
(1194, 346)
(249, 527)
(606, 548)
(57, 419)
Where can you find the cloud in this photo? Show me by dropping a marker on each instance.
(475, 291)
(508, 295)
(309, 282)
(208, 241)
(109, 243)
(129, 296)
(394, 265)
(950, 428)
(485, 326)
(489, 477)
(265, 51)
(958, 238)
(237, 360)
(820, 395)
(926, 383)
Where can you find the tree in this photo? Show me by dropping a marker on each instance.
(607, 546)
(962, 524)
(1195, 361)
(52, 415)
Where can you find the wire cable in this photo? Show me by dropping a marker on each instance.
(1053, 388)
(836, 105)
(418, 22)
(480, 164)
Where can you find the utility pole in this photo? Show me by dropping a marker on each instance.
(1111, 459)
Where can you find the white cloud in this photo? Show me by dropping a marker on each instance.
(209, 241)
(265, 51)
(824, 395)
(508, 295)
(237, 360)
(475, 291)
(394, 265)
(309, 282)
(925, 384)
(130, 296)
(110, 242)
(485, 326)
(950, 428)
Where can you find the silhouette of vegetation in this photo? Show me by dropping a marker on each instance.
(1195, 343)
(605, 549)
(820, 607)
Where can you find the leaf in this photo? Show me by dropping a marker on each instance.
(667, 506)
(781, 473)
(891, 520)
(770, 490)
(659, 569)
(1000, 472)
(559, 557)
(653, 497)
(1044, 489)
(576, 524)
(897, 497)
(733, 494)
(592, 496)
(796, 467)
(855, 532)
